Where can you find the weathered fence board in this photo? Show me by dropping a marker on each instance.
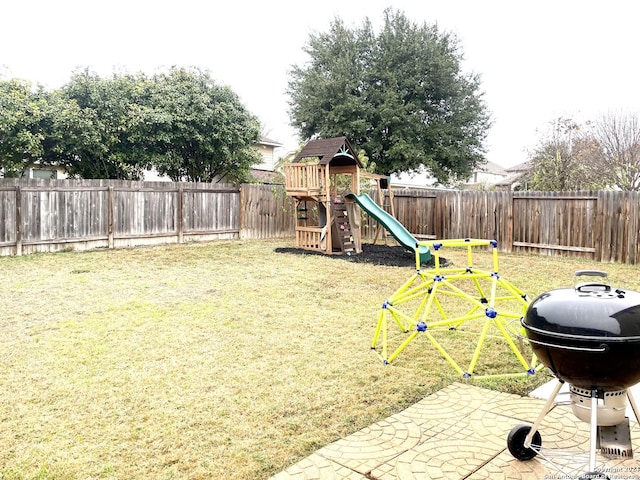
(211, 210)
(61, 214)
(7, 216)
(267, 212)
(552, 222)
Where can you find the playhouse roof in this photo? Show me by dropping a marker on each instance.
(326, 149)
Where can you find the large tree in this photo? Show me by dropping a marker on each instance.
(21, 111)
(198, 130)
(96, 134)
(179, 122)
(399, 94)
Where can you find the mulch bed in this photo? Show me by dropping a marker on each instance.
(392, 256)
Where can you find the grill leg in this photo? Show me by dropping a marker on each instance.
(594, 430)
(634, 406)
(547, 407)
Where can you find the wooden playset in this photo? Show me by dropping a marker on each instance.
(319, 177)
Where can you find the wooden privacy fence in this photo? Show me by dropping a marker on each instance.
(50, 215)
(602, 226)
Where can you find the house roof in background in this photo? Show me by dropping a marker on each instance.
(490, 167)
(521, 167)
(269, 142)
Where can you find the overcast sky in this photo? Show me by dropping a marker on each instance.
(538, 60)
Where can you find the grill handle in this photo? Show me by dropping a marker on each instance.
(591, 273)
(588, 287)
(601, 349)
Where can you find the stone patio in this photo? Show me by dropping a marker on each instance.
(460, 432)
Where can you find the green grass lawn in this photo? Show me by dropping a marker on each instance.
(219, 360)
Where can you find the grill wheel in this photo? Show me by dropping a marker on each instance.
(515, 442)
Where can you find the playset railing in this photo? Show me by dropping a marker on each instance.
(305, 179)
(310, 238)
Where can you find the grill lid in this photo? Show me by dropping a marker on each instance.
(588, 336)
(588, 310)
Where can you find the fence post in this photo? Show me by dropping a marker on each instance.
(180, 213)
(509, 242)
(18, 220)
(600, 233)
(110, 216)
(243, 213)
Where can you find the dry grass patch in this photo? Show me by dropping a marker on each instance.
(222, 360)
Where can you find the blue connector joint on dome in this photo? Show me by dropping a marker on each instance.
(437, 246)
(495, 275)
(531, 371)
(438, 278)
(491, 313)
(469, 270)
(466, 375)
(494, 243)
(386, 304)
(421, 327)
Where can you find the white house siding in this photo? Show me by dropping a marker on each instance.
(268, 161)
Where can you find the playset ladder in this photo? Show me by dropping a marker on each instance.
(343, 226)
(303, 211)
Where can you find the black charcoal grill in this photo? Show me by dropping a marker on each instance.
(589, 337)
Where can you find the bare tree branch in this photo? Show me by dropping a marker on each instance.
(618, 135)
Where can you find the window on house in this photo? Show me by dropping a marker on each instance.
(45, 173)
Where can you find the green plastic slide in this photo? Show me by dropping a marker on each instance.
(393, 226)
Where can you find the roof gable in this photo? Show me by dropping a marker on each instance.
(326, 149)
